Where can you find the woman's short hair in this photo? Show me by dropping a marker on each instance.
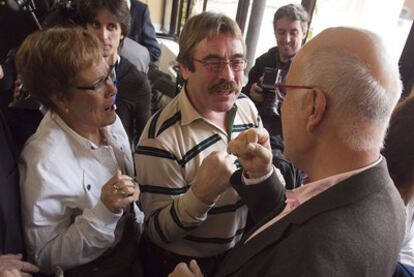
(199, 27)
(49, 61)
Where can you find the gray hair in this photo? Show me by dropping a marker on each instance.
(355, 98)
(292, 12)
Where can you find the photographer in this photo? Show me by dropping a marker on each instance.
(290, 25)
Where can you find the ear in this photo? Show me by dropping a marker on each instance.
(59, 101)
(318, 109)
(185, 71)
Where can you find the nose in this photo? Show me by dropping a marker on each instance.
(110, 89)
(288, 38)
(227, 73)
(103, 33)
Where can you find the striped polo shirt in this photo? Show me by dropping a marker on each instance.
(171, 149)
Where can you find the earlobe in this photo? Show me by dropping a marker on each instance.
(318, 109)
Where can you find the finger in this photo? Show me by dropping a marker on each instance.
(258, 151)
(29, 268)
(195, 269)
(263, 137)
(127, 191)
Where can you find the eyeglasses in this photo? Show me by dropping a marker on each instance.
(282, 87)
(99, 84)
(217, 65)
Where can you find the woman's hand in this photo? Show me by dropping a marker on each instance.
(13, 265)
(119, 192)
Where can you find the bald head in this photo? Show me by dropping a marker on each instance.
(365, 46)
(359, 79)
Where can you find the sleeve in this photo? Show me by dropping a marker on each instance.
(170, 207)
(57, 233)
(149, 39)
(261, 199)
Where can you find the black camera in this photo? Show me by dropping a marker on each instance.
(271, 76)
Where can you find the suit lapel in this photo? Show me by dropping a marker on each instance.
(351, 190)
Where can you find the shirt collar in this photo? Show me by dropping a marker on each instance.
(83, 141)
(312, 189)
(190, 114)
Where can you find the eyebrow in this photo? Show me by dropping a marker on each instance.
(215, 56)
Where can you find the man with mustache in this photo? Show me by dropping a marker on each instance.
(191, 210)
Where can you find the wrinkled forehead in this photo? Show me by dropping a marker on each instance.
(222, 45)
(368, 47)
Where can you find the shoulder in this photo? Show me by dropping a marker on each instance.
(127, 70)
(246, 105)
(167, 118)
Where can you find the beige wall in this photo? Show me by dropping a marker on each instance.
(155, 7)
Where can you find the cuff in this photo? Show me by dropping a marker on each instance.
(193, 206)
(103, 215)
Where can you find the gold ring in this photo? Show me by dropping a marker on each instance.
(116, 187)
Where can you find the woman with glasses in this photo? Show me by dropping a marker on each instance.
(78, 197)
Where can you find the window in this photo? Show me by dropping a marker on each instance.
(390, 19)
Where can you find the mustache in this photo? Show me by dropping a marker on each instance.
(224, 85)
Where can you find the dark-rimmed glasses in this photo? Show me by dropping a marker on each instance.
(99, 84)
(217, 65)
(281, 87)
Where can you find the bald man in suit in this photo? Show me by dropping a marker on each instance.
(349, 220)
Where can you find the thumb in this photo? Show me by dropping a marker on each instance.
(195, 269)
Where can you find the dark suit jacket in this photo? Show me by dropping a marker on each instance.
(142, 30)
(355, 228)
(11, 237)
(133, 100)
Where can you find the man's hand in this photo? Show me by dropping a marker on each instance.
(256, 93)
(252, 147)
(12, 265)
(182, 270)
(119, 192)
(213, 176)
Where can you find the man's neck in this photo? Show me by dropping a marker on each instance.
(333, 161)
(111, 59)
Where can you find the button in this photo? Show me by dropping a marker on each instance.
(88, 187)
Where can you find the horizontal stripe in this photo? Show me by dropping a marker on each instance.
(163, 190)
(227, 208)
(177, 220)
(242, 127)
(215, 240)
(193, 152)
(156, 152)
(169, 122)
